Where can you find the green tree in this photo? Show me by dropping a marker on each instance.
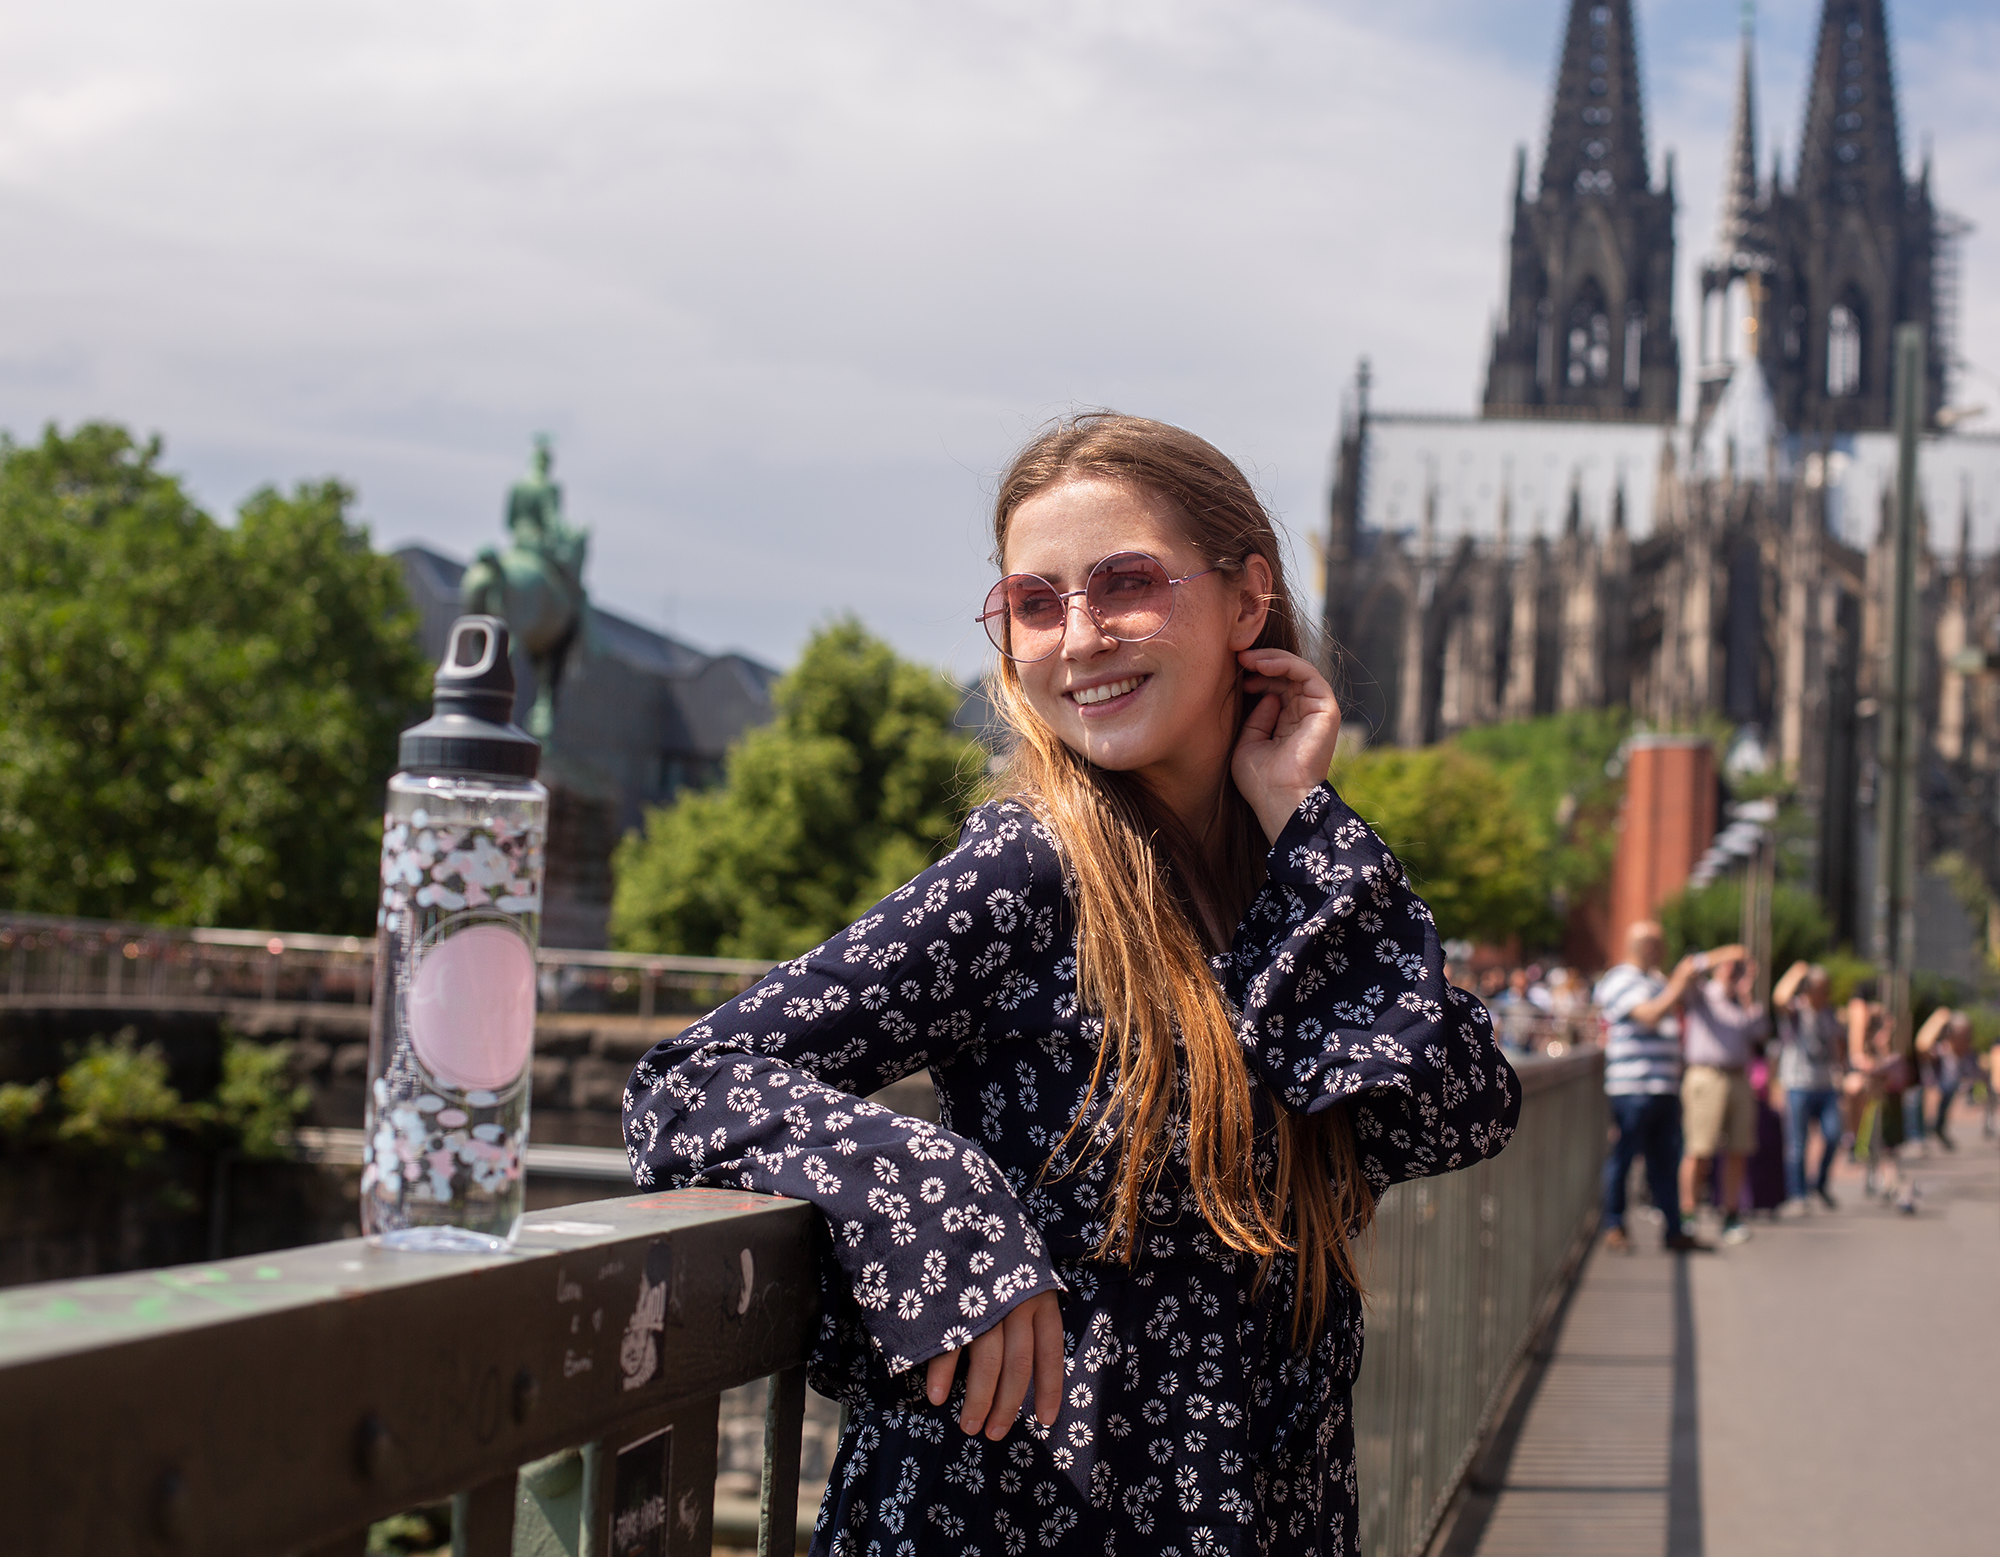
(1504, 827)
(195, 720)
(114, 1103)
(1700, 917)
(1472, 851)
(1563, 772)
(859, 782)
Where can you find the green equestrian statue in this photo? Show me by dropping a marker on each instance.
(536, 584)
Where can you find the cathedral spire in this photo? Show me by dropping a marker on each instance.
(1739, 185)
(1597, 125)
(1589, 324)
(1856, 239)
(1852, 153)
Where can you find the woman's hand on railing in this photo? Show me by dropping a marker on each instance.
(1025, 1347)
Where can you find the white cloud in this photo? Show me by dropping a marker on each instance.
(787, 280)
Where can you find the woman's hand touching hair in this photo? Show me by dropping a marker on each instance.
(1025, 1347)
(1287, 742)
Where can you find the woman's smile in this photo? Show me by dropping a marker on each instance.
(1106, 697)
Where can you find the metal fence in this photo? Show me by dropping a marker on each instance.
(564, 1397)
(1462, 1272)
(256, 1407)
(50, 961)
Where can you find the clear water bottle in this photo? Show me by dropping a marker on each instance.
(453, 1025)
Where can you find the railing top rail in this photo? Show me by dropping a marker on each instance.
(657, 962)
(54, 1318)
(110, 932)
(113, 931)
(256, 1405)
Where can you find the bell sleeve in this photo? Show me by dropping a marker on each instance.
(1338, 975)
(765, 1093)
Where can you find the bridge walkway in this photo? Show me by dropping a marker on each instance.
(1831, 1385)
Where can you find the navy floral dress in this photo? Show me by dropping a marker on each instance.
(1189, 1424)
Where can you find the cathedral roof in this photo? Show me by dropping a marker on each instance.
(1958, 477)
(1741, 435)
(1465, 469)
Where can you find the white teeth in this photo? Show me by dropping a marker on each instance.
(1109, 690)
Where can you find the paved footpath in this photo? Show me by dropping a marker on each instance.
(1833, 1385)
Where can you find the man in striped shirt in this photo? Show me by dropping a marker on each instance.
(1639, 1005)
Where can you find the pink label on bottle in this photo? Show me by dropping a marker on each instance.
(472, 1007)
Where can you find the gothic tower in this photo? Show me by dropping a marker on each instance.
(1856, 241)
(1589, 327)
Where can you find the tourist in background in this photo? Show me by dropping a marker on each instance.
(1720, 1020)
(1877, 1078)
(1637, 1004)
(1569, 1004)
(1516, 1013)
(1944, 1045)
(1811, 1056)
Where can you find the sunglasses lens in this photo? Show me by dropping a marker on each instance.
(1024, 616)
(1131, 595)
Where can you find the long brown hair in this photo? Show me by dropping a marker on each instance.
(1169, 1045)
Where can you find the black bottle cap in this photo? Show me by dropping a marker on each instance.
(471, 729)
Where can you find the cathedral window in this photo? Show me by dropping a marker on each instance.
(1589, 340)
(1635, 342)
(1843, 352)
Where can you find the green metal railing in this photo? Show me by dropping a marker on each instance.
(565, 1396)
(104, 964)
(1462, 1273)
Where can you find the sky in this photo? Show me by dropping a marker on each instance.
(788, 280)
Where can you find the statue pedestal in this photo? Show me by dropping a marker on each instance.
(583, 830)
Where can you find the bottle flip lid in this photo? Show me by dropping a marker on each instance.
(471, 729)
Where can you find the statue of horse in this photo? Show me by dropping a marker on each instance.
(536, 585)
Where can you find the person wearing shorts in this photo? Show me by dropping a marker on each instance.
(1720, 1020)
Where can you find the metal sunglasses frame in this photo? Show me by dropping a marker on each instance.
(1067, 595)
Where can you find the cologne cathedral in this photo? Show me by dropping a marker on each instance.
(1594, 538)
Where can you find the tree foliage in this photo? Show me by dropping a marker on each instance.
(1471, 853)
(1700, 917)
(1503, 828)
(1564, 773)
(114, 1104)
(196, 720)
(859, 782)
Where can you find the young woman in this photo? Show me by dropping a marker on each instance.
(1186, 1019)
